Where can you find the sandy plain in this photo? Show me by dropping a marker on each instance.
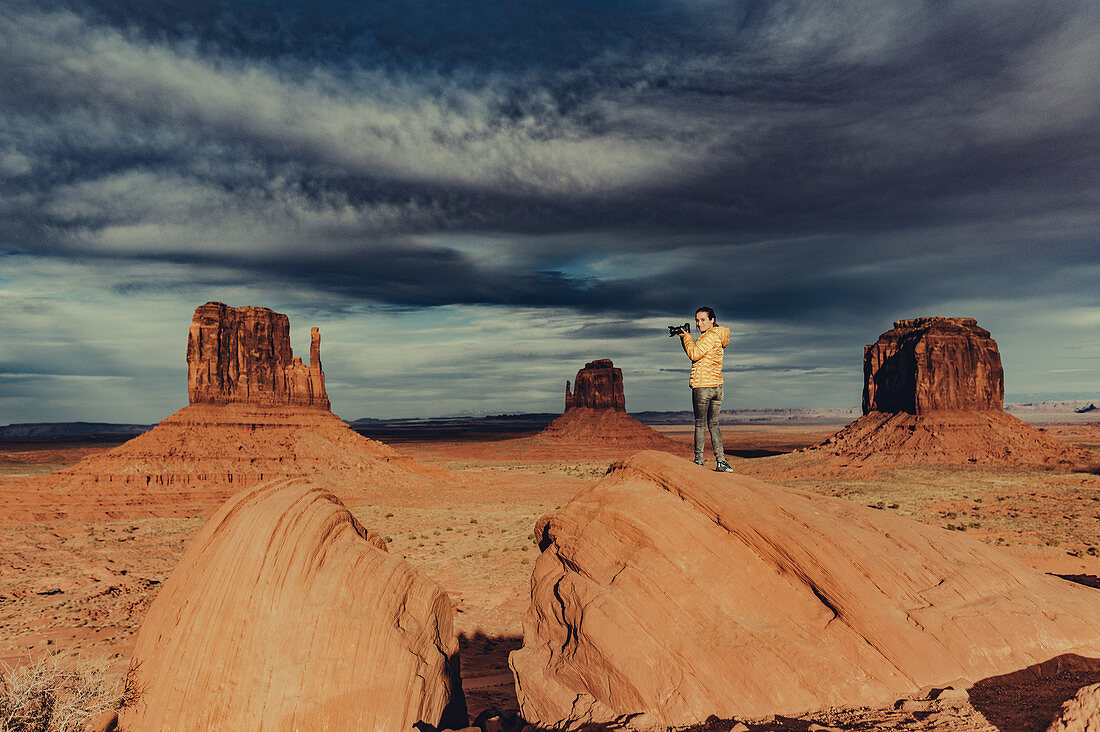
(79, 584)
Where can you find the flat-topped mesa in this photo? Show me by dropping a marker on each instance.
(599, 385)
(933, 364)
(243, 356)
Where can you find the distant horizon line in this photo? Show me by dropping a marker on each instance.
(1065, 402)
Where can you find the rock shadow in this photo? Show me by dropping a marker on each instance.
(1088, 580)
(487, 681)
(1028, 700)
(779, 724)
(755, 453)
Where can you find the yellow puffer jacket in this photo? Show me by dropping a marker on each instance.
(706, 355)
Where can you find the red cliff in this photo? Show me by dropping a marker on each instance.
(933, 364)
(599, 385)
(243, 356)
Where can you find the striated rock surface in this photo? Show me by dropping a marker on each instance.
(587, 426)
(243, 356)
(284, 614)
(203, 453)
(1081, 713)
(680, 593)
(599, 385)
(933, 364)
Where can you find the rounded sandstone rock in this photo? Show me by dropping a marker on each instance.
(681, 594)
(283, 615)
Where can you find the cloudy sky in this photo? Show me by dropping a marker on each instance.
(472, 199)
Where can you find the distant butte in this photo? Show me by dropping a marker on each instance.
(257, 413)
(595, 413)
(933, 393)
(599, 385)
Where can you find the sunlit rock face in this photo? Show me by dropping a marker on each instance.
(243, 356)
(933, 364)
(677, 593)
(256, 413)
(285, 613)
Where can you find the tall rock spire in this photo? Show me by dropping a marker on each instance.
(243, 356)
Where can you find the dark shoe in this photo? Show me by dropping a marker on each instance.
(723, 467)
(701, 461)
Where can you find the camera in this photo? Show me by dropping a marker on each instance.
(675, 330)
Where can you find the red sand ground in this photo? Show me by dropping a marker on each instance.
(81, 584)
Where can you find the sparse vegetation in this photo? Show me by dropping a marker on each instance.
(55, 695)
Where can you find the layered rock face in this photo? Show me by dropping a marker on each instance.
(595, 413)
(196, 458)
(679, 593)
(284, 614)
(243, 356)
(599, 385)
(933, 393)
(933, 364)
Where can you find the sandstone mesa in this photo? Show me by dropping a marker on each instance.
(243, 356)
(257, 413)
(599, 385)
(933, 393)
(595, 413)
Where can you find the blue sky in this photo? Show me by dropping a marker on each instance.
(473, 199)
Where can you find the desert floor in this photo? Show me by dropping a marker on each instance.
(80, 586)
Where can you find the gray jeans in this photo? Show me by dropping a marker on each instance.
(706, 401)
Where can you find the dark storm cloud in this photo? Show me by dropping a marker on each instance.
(812, 169)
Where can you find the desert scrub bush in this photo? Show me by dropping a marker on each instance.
(55, 695)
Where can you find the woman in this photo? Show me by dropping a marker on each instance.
(706, 383)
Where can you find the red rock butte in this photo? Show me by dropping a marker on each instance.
(933, 364)
(595, 413)
(933, 392)
(257, 413)
(243, 356)
(599, 385)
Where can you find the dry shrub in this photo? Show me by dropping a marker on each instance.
(54, 694)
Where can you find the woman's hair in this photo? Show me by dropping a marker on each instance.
(709, 312)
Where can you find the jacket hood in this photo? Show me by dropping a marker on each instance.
(723, 333)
